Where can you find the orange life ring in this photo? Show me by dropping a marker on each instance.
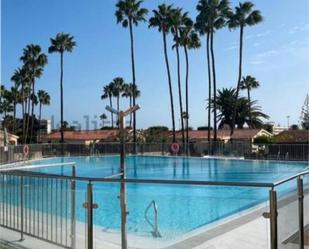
(175, 148)
(26, 150)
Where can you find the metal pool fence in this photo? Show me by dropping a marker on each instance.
(43, 206)
(297, 152)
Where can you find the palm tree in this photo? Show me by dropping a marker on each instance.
(211, 17)
(44, 99)
(246, 110)
(108, 93)
(118, 84)
(248, 83)
(60, 44)
(21, 77)
(188, 39)
(34, 61)
(161, 20)
(103, 117)
(129, 13)
(177, 20)
(130, 91)
(243, 16)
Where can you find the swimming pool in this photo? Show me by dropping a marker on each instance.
(181, 208)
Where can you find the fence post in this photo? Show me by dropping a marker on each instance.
(89, 207)
(73, 209)
(273, 219)
(301, 212)
(21, 208)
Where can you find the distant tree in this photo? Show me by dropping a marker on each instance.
(157, 134)
(245, 110)
(304, 117)
(243, 16)
(103, 117)
(108, 93)
(263, 140)
(44, 99)
(34, 61)
(294, 127)
(60, 44)
(268, 127)
(204, 128)
(248, 83)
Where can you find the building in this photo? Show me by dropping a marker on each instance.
(12, 139)
(84, 137)
(225, 135)
(292, 137)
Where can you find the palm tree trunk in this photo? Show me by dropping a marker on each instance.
(170, 85)
(209, 85)
(112, 115)
(134, 84)
(118, 123)
(28, 118)
(187, 97)
(214, 85)
(131, 112)
(179, 90)
(32, 111)
(239, 78)
(14, 117)
(250, 114)
(61, 98)
(23, 108)
(40, 115)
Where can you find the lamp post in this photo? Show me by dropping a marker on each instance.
(123, 205)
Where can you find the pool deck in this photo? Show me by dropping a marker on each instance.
(249, 230)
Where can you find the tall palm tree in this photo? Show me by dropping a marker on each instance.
(248, 83)
(118, 84)
(177, 20)
(161, 20)
(211, 17)
(44, 99)
(188, 39)
(108, 93)
(60, 44)
(34, 61)
(21, 78)
(129, 13)
(243, 16)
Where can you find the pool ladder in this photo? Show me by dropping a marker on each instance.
(155, 232)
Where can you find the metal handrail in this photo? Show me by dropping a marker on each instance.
(112, 179)
(22, 166)
(155, 233)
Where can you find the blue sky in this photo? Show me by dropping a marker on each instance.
(276, 52)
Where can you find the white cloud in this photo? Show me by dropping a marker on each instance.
(267, 53)
(231, 48)
(256, 62)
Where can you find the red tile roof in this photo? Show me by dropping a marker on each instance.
(223, 134)
(84, 135)
(293, 136)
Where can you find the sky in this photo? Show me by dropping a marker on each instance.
(276, 52)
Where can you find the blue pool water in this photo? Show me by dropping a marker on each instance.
(181, 208)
